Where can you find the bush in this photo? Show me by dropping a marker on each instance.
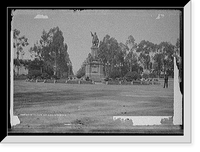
(130, 76)
(115, 74)
(145, 75)
(38, 77)
(45, 76)
(107, 79)
(88, 79)
(55, 77)
(80, 73)
(33, 74)
(152, 75)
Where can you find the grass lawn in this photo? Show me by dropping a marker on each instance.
(88, 108)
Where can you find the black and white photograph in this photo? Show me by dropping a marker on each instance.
(97, 72)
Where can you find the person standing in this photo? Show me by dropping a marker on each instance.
(166, 81)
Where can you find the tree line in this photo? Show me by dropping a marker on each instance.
(145, 58)
(49, 53)
(51, 56)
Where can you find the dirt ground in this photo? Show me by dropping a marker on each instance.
(89, 108)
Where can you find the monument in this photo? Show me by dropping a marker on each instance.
(94, 65)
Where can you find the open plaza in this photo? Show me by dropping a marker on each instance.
(91, 108)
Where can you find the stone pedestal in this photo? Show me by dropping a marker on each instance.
(94, 67)
(94, 50)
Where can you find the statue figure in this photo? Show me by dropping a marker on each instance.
(95, 40)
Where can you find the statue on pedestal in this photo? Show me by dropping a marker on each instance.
(95, 40)
(94, 66)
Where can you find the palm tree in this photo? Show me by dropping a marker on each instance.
(19, 43)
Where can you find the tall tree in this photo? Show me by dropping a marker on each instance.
(19, 43)
(145, 48)
(53, 51)
(130, 43)
(64, 62)
(109, 52)
(167, 51)
(131, 56)
(81, 72)
(131, 59)
(158, 64)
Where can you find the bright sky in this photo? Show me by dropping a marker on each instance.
(153, 25)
